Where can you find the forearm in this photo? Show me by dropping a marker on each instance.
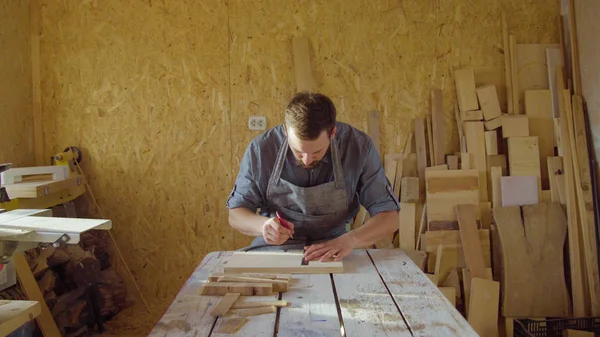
(246, 221)
(381, 225)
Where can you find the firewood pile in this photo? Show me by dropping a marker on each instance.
(64, 276)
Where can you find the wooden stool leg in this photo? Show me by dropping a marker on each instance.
(33, 293)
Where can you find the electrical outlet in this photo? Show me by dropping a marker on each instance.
(257, 123)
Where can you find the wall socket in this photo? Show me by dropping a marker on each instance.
(257, 123)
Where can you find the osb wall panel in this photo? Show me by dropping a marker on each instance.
(157, 95)
(16, 116)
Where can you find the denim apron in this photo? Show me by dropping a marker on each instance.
(319, 213)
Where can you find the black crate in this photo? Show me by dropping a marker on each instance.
(555, 327)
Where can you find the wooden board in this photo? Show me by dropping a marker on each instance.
(466, 275)
(538, 103)
(13, 314)
(532, 68)
(438, 124)
(421, 150)
(488, 100)
(409, 192)
(39, 189)
(483, 306)
(557, 179)
(447, 188)
(278, 263)
(467, 215)
(473, 115)
(245, 289)
(430, 145)
(302, 66)
(524, 158)
(451, 238)
(538, 107)
(313, 308)
(486, 214)
(366, 308)
(496, 174)
(491, 143)
(406, 231)
(465, 89)
(493, 124)
(514, 81)
(434, 315)
(553, 59)
(225, 304)
(515, 126)
(476, 147)
(56, 225)
(507, 64)
(519, 190)
(533, 244)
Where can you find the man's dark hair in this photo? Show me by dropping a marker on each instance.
(309, 114)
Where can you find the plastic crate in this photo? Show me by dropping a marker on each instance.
(555, 327)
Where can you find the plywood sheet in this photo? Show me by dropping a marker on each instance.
(447, 188)
(533, 243)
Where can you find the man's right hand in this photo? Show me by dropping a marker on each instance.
(274, 233)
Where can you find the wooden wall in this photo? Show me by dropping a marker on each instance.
(157, 95)
(16, 117)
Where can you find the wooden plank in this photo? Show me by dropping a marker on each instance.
(449, 293)
(246, 304)
(438, 126)
(302, 66)
(422, 226)
(459, 127)
(225, 304)
(13, 314)
(278, 284)
(491, 142)
(483, 306)
(476, 147)
(507, 64)
(466, 275)
(35, 30)
(406, 230)
(532, 69)
(488, 100)
(366, 307)
(33, 293)
(515, 126)
(452, 161)
(585, 203)
(574, 41)
(448, 188)
(56, 225)
(17, 174)
(558, 137)
(524, 158)
(425, 308)
(391, 164)
(473, 115)
(261, 321)
(557, 179)
(493, 124)
(533, 242)
(486, 214)
(464, 80)
(278, 263)
(578, 283)
(496, 174)
(313, 308)
(246, 289)
(465, 161)
(512, 48)
(543, 128)
(409, 193)
(430, 139)
(421, 149)
(467, 215)
(231, 325)
(554, 60)
(519, 190)
(373, 129)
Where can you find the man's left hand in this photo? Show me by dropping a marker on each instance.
(333, 250)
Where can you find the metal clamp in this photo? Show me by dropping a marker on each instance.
(61, 240)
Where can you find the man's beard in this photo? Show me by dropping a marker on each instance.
(309, 166)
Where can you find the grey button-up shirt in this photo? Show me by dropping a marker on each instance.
(366, 183)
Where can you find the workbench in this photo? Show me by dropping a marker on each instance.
(381, 293)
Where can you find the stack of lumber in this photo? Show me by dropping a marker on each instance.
(235, 289)
(495, 216)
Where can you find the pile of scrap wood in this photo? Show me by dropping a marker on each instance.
(235, 288)
(495, 217)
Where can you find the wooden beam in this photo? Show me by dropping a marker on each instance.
(421, 149)
(467, 215)
(303, 70)
(439, 126)
(513, 73)
(35, 27)
(430, 145)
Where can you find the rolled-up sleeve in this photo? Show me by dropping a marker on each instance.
(246, 190)
(374, 190)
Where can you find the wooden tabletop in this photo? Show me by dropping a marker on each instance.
(381, 293)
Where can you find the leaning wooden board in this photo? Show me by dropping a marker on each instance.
(406, 304)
